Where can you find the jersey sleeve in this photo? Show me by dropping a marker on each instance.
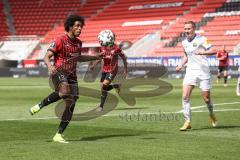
(55, 46)
(122, 55)
(120, 52)
(206, 44)
(117, 49)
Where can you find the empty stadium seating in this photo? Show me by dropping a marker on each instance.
(3, 28)
(37, 17)
(215, 29)
(114, 16)
(129, 19)
(195, 15)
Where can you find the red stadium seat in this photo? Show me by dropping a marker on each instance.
(42, 13)
(3, 24)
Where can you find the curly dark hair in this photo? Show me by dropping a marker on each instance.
(71, 19)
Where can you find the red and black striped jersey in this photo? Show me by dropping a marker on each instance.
(223, 55)
(66, 52)
(110, 58)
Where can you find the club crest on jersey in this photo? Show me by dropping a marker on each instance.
(194, 44)
(52, 45)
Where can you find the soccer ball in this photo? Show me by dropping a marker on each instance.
(106, 38)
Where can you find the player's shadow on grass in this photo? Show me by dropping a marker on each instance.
(115, 133)
(218, 127)
(94, 138)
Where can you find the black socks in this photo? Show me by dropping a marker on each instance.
(225, 79)
(67, 115)
(53, 97)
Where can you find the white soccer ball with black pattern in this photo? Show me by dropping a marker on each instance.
(106, 38)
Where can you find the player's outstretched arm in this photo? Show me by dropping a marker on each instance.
(124, 59)
(209, 52)
(94, 64)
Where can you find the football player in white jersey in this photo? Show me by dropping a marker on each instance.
(196, 48)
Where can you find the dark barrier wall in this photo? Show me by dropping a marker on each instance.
(150, 67)
(149, 71)
(7, 63)
(5, 72)
(29, 72)
(24, 72)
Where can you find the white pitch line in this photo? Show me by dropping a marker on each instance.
(217, 104)
(118, 114)
(22, 87)
(22, 119)
(220, 110)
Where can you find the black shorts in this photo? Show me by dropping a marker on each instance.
(59, 78)
(222, 68)
(108, 76)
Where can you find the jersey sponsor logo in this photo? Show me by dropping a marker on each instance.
(74, 54)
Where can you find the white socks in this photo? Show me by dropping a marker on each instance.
(186, 109)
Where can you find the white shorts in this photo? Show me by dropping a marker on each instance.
(194, 78)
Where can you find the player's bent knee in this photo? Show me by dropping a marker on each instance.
(106, 82)
(64, 92)
(207, 100)
(64, 95)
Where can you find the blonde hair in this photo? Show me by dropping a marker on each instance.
(192, 23)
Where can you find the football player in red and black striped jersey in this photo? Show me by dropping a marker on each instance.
(66, 51)
(222, 56)
(110, 52)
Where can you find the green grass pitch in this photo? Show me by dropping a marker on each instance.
(119, 135)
